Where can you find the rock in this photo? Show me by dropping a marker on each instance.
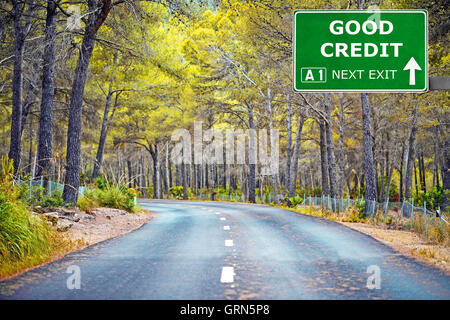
(39, 209)
(73, 218)
(91, 213)
(51, 217)
(63, 226)
(108, 217)
(88, 217)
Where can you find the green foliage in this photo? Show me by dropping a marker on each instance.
(176, 191)
(293, 201)
(100, 182)
(432, 197)
(25, 238)
(111, 196)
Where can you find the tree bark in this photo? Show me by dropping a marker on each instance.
(295, 156)
(330, 148)
(323, 159)
(252, 156)
(411, 156)
(446, 174)
(156, 172)
(99, 12)
(20, 33)
(369, 170)
(272, 148)
(436, 157)
(341, 149)
(391, 167)
(103, 133)
(289, 144)
(48, 91)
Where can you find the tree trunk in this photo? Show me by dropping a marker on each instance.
(391, 167)
(273, 163)
(323, 159)
(130, 174)
(183, 178)
(295, 156)
(20, 33)
(330, 148)
(436, 157)
(446, 174)
(48, 91)
(289, 144)
(402, 161)
(341, 150)
(369, 170)
(103, 133)
(99, 11)
(156, 172)
(252, 156)
(411, 156)
(423, 181)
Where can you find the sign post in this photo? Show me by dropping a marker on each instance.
(360, 51)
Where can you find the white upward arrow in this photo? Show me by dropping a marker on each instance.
(412, 66)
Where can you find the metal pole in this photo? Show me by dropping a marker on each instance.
(412, 212)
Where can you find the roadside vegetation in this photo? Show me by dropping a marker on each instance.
(26, 239)
(104, 194)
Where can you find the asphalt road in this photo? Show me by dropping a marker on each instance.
(213, 250)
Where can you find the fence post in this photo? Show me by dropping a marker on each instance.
(412, 212)
(440, 220)
(30, 187)
(425, 216)
(49, 188)
(42, 182)
(385, 210)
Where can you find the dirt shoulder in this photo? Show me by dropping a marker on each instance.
(104, 223)
(407, 243)
(90, 227)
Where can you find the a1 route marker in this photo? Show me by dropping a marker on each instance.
(360, 51)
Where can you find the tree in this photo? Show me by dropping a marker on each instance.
(48, 90)
(20, 31)
(98, 12)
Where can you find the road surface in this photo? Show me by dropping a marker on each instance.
(213, 250)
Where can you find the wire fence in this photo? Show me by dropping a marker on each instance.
(38, 184)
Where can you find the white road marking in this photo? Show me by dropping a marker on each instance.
(229, 243)
(227, 275)
(223, 219)
(226, 227)
(217, 212)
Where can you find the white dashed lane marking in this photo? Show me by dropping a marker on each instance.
(227, 275)
(223, 219)
(229, 243)
(226, 227)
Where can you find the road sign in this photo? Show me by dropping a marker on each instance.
(360, 51)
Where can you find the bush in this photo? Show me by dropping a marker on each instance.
(111, 196)
(176, 191)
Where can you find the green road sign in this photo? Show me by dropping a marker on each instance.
(360, 51)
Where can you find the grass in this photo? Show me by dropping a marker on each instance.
(26, 239)
(110, 196)
(437, 232)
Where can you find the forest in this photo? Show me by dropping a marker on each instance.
(92, 91)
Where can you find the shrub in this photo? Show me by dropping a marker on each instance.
(111, 196)
(176, 191)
